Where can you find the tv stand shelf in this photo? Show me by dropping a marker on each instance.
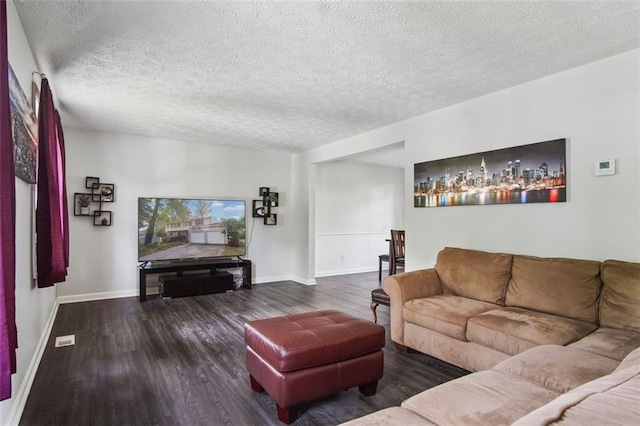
(212, 265)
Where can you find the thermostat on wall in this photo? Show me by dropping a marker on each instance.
(605, 167)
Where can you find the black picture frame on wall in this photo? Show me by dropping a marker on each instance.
(258, 209)
(91, 182)
(264, 190)
(102, 218)
(77, 209)
(104, 193)
(272, 219)
(273, 199)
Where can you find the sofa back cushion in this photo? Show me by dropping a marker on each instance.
(620, 300)
(474, 274)
(610, 400)
(564, 287)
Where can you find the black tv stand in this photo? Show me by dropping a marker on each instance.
(212, 265)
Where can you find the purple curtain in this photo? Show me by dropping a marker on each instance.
(51, 212)
(8, 331)
(65, 208)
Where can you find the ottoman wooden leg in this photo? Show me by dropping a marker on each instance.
(255, 385)
(369, 389)
(287, 415)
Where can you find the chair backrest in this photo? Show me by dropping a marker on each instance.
(397, 244)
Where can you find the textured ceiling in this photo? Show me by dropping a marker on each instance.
(291, 76)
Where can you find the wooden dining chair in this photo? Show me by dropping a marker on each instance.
(395, 258)
(397, 251)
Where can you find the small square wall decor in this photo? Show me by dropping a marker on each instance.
(272, 219)
(91, 182)
(263, 191)
(258, 209)
(102, 218)
(104, 192)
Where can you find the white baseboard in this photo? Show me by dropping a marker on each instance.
(88, 297)
(23, 393)
(266, 280)
(304, 281)
(349, 271)
(97, 296)
(274, 279)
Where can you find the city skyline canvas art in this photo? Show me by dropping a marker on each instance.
(533, 173)
(24, 129)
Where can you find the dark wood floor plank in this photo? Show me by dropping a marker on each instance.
(182, 361)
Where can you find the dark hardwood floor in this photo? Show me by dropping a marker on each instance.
(182, 361)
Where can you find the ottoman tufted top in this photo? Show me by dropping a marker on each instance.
(294, 342)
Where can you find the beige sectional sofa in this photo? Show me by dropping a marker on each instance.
(551, 340)
(476, 309)
(546, 385)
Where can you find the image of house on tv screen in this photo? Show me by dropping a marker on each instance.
(182, 229)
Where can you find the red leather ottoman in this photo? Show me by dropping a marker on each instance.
(299, 358)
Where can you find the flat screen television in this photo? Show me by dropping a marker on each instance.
(171, 229)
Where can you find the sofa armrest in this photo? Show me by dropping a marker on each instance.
(408, 286)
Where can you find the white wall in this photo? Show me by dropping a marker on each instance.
(594, 106)
(34, 307)
(104, 259)
(356, 206)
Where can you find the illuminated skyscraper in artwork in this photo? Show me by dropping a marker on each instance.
(483, 172)
(545, 170)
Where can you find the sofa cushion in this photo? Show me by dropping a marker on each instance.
(620, 301)
(557, 368)
(514, 330)
(483, 398)
(474, 274)
(610, 400)
(392, 416)
(565, 287)
(610, 342)
(445, 313)
(633, 359)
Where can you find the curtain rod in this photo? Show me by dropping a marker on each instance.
(41, 74)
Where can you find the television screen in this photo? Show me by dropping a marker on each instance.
(183, 229)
